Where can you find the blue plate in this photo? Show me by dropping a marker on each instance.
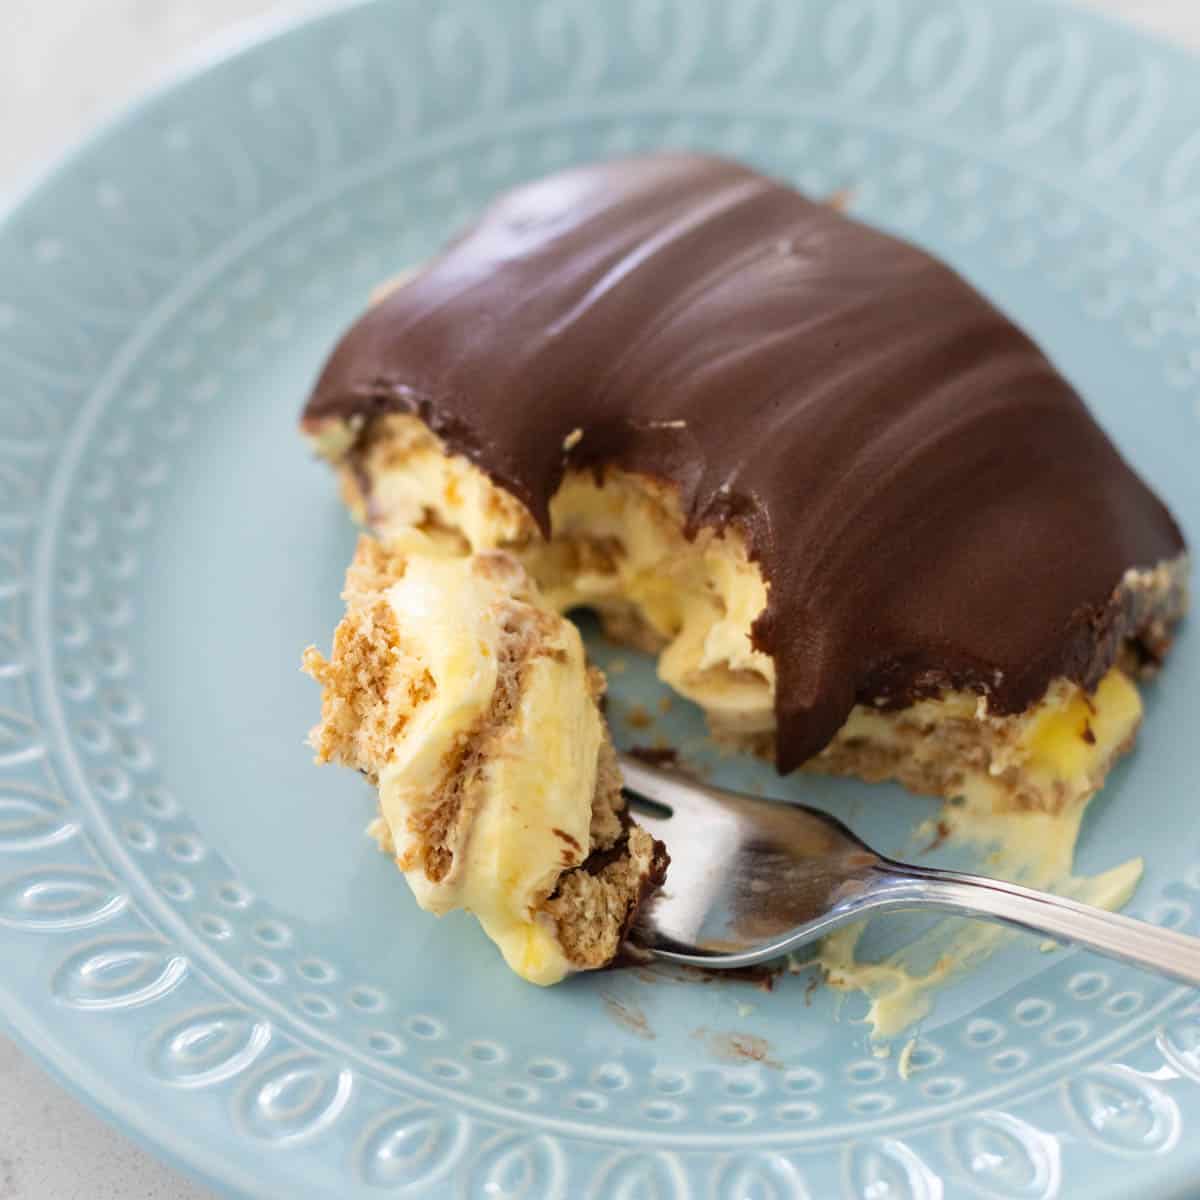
(194, 930)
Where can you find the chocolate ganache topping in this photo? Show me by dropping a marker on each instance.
(931, 504)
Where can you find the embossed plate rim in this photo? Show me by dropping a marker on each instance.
(144, 1121)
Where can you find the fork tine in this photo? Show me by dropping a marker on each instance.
(667, 788)
(638, 777)
(649, 817)
(644, 805)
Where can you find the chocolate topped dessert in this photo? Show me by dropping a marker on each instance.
(867, 523)
(930, 503)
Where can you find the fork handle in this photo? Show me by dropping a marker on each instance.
(1163, 950)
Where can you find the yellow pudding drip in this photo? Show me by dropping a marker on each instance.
(1065, 746)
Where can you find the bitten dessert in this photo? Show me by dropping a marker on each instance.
(469, 704)
(861, 518)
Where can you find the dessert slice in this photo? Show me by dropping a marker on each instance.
(470, 706)
(867, 524)
(861, 518)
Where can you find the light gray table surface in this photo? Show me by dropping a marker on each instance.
(62, 62)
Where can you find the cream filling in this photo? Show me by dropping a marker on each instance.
(427, 486)
(537, 774)
(698, 599)
(1061, 747)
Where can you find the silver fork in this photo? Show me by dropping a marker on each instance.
(751, 879)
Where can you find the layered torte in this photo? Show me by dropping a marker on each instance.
(861, 518)
(470, 705)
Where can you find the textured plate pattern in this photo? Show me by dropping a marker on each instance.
(194, 931)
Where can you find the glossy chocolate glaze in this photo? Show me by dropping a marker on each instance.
(929, 500)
